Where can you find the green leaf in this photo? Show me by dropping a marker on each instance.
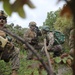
(30, 4)
(7, 7)
(64, 60)
(57, 59)
(21, 12)
(70, 57)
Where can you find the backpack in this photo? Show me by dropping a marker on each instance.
(59, 37)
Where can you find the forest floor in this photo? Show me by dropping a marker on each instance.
(31, 67)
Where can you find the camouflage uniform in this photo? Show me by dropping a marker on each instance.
(8, 52)
(31, 37)
(71, 42)
(51, 47)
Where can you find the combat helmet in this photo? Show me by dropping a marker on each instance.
(2, 13)
(46, 28)
(3, 18)
(32, 23)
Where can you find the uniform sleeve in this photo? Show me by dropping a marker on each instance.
(71, 39)
(26, 36)
(2, 33)
(51, 40)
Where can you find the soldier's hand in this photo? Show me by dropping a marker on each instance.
(9, 45)
(24, 46)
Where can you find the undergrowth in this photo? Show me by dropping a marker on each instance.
(25, 69)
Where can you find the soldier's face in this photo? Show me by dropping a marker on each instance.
(2, 20)
(32, 28)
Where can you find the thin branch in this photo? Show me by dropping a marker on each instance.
(48, 57)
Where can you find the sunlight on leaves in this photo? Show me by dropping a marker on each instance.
(57, 59)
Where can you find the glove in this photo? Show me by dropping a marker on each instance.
(3, 41)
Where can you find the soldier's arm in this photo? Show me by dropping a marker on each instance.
(71, 40)
(26, 36)
(2, 33)
(51, 40)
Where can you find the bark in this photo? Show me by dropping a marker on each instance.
(30, 48)
(48, 57)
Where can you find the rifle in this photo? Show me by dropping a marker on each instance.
(37, 31)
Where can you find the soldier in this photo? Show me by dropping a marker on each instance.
(7, 50)
(31, 37)
(51, 46)
(71, 41)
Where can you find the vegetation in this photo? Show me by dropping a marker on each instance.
(62, 24)
(30, 67)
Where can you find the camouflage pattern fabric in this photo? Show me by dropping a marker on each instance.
(71, 42)
(2, 33)
(28, 36)
(50, 38)
(50, 44)
(32, 23)
(15, 59)
(8, 53)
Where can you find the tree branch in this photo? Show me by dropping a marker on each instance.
(30, 48)
(48, 57)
